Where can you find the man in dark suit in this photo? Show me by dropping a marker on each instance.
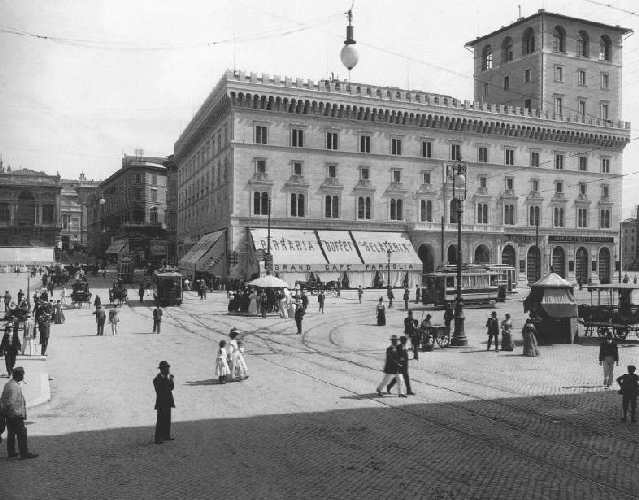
(163, 384)
(404, 368)
(157, 319)
(393, 368)
(299, 316)
(100, 319)
(411, 331)
(10, 346)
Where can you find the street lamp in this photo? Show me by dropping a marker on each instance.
(268, 261)
(459, 195)
(388, 254)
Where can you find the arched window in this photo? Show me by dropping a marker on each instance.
(507, 50)
(605, 48)
(583, 44)
(487, 58)
(528, 42)
(559, 39)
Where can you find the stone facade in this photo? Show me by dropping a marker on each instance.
(74, 212)
(337, 155)
(630, 243)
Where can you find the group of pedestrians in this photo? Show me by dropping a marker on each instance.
(495, 329)
(230, 364)
(396, 368)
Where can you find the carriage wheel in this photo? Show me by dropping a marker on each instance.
(620, 333)
(443, 340)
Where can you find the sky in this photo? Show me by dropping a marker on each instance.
(103, 78)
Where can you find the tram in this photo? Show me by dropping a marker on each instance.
(479, 286)
(507, 276)
(167, 288)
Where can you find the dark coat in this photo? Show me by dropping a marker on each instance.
(493, 326)
(629, 383)
(157, 314)
(299, 313)
(15, 346)
(606, 349)
(163, 392)
(393, 359)
(100, 315)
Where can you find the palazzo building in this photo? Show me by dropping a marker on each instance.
(630, 243)
(74, 201)
(346, 173)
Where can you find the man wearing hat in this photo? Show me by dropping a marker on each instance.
(492, 329)
(10, 346)
(100, 319)
(629, 387)
(404, 355)
(14, 409)
(393, 368)
(163, 383)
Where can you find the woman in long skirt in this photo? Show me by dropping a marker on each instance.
(283, 306)
(58, 316)
(529, 333)
(506, 334)
(238, 365)
(221, 364)
(381, 312)
(252, 308)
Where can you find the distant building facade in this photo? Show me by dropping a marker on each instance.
(340, 156)
(74, 200)
(127, 214)
(630, 243)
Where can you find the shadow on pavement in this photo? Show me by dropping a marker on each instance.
(481, 449)
(210, 381)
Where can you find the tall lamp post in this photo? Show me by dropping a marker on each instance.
(102, 202)
(388, 255)
(268, 261)
(538, 256)
(459, 195)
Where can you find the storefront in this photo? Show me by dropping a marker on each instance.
(206, 257)
(21, 256)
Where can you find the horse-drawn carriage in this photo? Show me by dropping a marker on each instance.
(315, 284)
(615, 312)
(80, 293)
(118, 292)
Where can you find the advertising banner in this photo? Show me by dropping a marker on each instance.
(374, 247)
(293, 250)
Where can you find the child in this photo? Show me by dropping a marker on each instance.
(629, 383)
(221, 363)
(241, 368)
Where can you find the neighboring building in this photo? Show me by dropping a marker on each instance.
(131, 222)
(73, 216)
(171, 208)
(630, 243)
(342, 163)
(29, 208)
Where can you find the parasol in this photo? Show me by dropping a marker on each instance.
(269, 281)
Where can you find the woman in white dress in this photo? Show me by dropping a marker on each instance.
(238, 365)
(283, 305)
(221, 363)
(252, 309)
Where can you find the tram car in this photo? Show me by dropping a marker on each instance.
(167, 288)
(479, 287)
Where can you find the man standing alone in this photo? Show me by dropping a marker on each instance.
(157, 319)
(100, 319)
(299, 316)
(629, 384)
(163, 384)
(10, 346)
(13, 408)
(608, 356)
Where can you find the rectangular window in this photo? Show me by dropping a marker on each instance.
(426, 211)
(559, 105)
(260, 203)
(583, 188)
(485, 91)
(297, 205)
(331, 140)
(528, 104)
(364, 143)
(427, 149)
(455, 152)
(604, 219)
(605, 191)
(581, 107)
(559, 161)
(559, 73)
(506, 82)
(581, 78)
(534, 158)
(297, 168)
(510, 156)
(558, 217)
(533, 219)
(154, 179)
(261, 134)
(482, 213)
(260, 166)
(396, 146)
(534, 186)
(483, 182)
(426, 178)
(559, 187)
(331, 207)
(526, 76)
(509, 214)
(605, 165)
(364, 207)
(582, 217)
(482, 154)
(603, 109)
(364, 173)
(138, 178)
(297, 138)
(396, 209)
(396, 176)
(154, 195)
(510, 183)
(332, 171)
(583, 163)
(605, 81)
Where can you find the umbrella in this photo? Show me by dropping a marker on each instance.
(268, 282)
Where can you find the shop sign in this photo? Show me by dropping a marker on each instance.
(562, 238)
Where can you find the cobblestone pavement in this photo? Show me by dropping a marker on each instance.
(307, 423)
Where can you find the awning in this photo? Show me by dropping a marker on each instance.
(373, 248)
(293, 250)
(116, 247)
(340, 250)
(206, 255)
(26, 255)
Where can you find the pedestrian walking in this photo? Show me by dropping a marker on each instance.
(506, 333)
(263, 303)
(360, 292)
(392, 368)
(20, 295)
(58, 315)
(304, 299)
(404, 368)
(7, 300)
(28, 336)
(43, 319)
(63, 296)
(529, 334)
(13, 408)
(114, 319)
(237, 365)
(100, 320)
(157, 319)
(299, 316)
(448, 316)
(406, 298)
(10, 346)
(418, 294)
(141, 293)
(97, 301)
(163, 384)
(608, 356)
(242, 368)
(390, 296)
(492, 330)
(221, 363)
(320, 300)
(411, 331)
(381, 312)
(629, 385)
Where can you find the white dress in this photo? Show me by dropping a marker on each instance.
(221, 365)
